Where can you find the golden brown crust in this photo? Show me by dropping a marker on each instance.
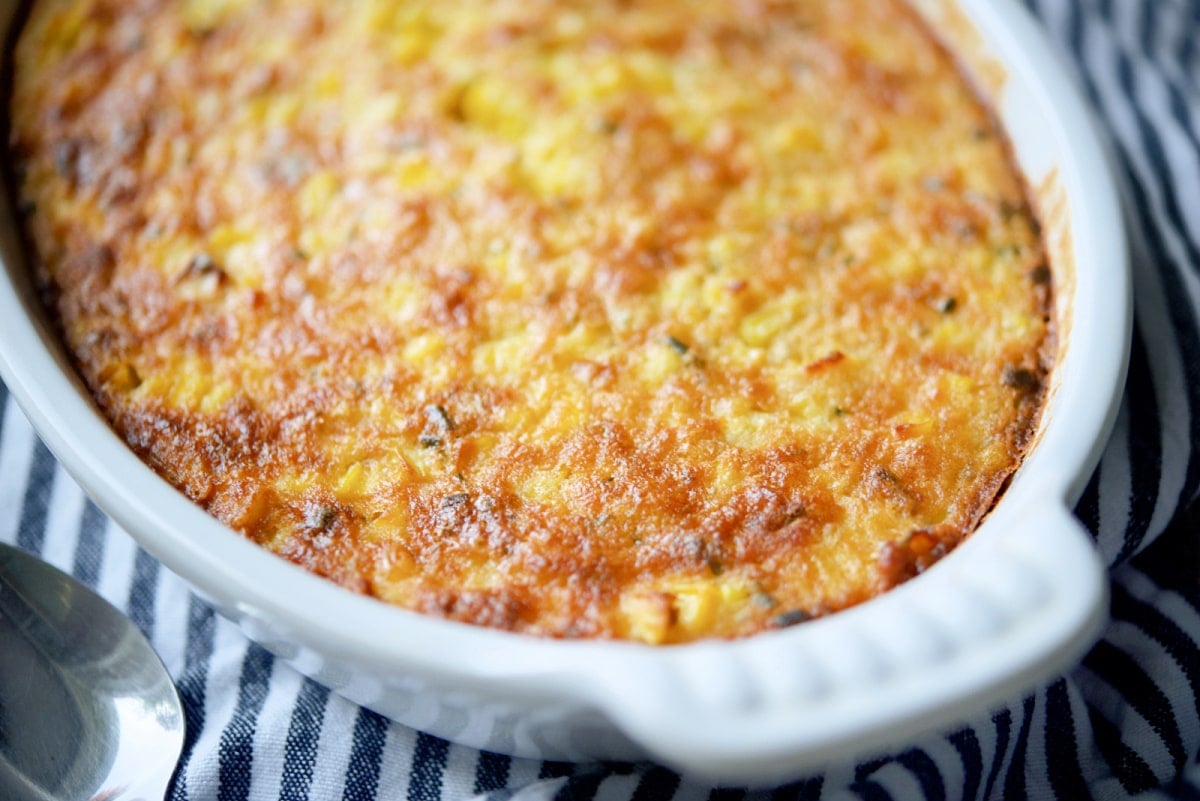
(655, 320)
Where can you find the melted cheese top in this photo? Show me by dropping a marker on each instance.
(621, 318)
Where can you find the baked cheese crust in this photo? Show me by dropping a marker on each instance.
(647, 319)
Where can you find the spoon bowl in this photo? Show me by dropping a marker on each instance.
(87, 709)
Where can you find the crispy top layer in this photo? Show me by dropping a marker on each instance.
(658, 320)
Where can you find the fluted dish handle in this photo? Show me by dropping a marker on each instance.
(1015, 605)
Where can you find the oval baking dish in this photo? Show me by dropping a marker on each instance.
(1016, 602)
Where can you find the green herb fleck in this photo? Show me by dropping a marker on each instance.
(319, 517)
(456, 500)
(1020, 379)
(793, 617)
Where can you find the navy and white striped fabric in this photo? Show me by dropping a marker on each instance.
(1124, 723)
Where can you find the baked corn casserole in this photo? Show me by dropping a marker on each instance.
(644, 319)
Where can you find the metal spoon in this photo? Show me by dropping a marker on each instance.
(87, 710)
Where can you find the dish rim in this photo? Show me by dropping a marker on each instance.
(637, 685)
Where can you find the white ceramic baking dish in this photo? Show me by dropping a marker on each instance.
(1016, 603)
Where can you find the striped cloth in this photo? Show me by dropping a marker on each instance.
(1124, 723)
